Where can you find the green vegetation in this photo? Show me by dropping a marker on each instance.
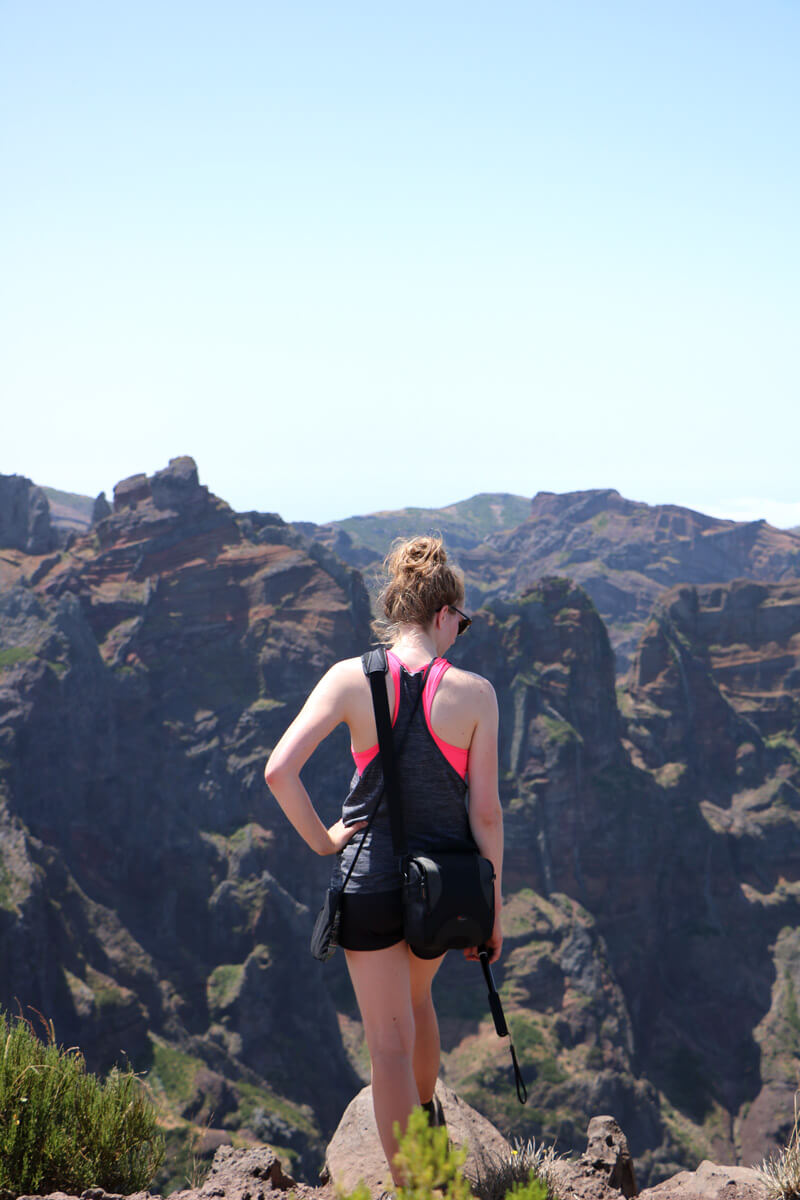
(62, 1128)
(428, 1161)
(222, 985)
(5, 889)
(433, 1169)
(526, 1035)
(464, 523)
(266, 704)
(784, 741)
(15, 654)
(173, 1070)
(560, 731)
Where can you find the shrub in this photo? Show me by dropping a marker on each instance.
(780, 1173)
(429, 1163)
(62, 1128)
(526, 1172)
(434, 1169)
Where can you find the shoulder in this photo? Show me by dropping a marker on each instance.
(344, 675)
(473, 688)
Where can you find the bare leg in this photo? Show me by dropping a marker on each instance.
(382, 983)
(427, 1050)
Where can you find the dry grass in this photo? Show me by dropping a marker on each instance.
(495, 1175)
(780, 1173)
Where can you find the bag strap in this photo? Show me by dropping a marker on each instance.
(500, 1022)
(375, 667)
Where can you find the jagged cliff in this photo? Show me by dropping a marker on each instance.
(623, 552)
(153, 899)
(151, 894)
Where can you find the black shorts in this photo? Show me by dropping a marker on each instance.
(371, 920)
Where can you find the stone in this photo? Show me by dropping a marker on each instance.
(709, 1182)
(177, 483)
(603, 1171)
(355, 1151)
(607, 1151)
(131, 491)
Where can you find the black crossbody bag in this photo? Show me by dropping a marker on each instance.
(448, 897)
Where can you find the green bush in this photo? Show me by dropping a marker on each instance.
(428, 1161)
(434, 1169)
(62, 1128)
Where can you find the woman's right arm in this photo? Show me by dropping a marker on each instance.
(485, 812)
(324, 709)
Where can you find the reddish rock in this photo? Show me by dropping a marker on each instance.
(355, 1152)
(709, 1182)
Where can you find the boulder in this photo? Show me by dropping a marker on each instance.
(604, 1170)
(709, 1182)
(130, 492)
(355, 1152)
(176, 484)
(242, 1175)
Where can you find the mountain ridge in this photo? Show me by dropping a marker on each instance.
(152, 895)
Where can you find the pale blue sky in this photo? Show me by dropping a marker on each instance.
(354, 256)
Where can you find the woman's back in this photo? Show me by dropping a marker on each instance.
(456, 706)
(431, 772)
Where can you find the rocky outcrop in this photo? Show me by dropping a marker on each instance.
(622, 552)
(625, 554)
(603, 1172)
(709, 1182)
(153, 898)
(25, 516)
(355, 1153)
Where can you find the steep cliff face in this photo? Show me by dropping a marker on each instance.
(25, 516)
(714, 716)
(660, 843)
(152, 896)
(151, 893)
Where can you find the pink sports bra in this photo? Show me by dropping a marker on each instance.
(457, 756)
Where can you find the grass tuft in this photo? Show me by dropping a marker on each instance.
(528, 1170)
(780, 1173)
(62, 1128)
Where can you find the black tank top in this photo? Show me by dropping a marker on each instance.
(434, 800)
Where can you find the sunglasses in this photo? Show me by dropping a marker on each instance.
(465, 621)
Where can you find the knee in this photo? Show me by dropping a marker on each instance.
(421, 1003)
(392, 1043)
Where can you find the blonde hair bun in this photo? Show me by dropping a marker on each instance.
(420, 582)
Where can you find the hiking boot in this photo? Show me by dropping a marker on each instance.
(433, 1108)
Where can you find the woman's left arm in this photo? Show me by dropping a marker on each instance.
(324, 709)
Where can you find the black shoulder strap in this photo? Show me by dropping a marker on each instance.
(375, 667)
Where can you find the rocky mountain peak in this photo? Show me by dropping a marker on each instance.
(174, 487)
(576, 506)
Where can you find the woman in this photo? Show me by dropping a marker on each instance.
(445, 730)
